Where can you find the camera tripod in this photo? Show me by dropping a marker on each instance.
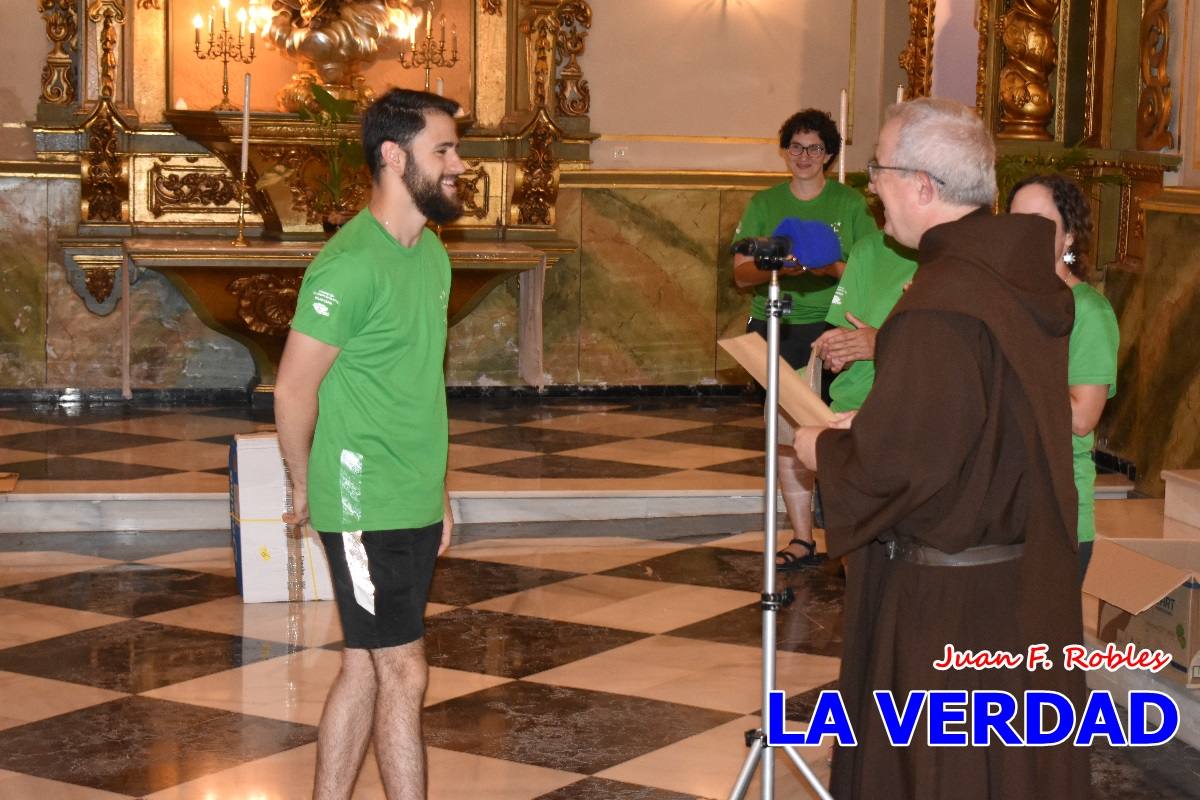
(761, 752)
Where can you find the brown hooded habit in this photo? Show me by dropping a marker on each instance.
(964, 441)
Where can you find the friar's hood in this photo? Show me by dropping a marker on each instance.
(1000, 270)
(1017, 252)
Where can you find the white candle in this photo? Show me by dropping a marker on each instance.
(842, 130)
(899, 93)
(441, 86)
(246, 127)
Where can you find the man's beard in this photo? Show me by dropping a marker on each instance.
(428, 196)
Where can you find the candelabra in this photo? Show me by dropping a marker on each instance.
(430, 52)
(227, 46)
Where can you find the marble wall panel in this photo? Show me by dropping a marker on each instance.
(648, 272)
(1154, 421)
(562, 308)
(170, 348)
(23, 256)
(733, 304)
(482, 349)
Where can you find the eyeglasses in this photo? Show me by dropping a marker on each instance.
(800, 149)
(873, 168)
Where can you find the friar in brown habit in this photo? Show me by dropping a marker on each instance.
(950, 492)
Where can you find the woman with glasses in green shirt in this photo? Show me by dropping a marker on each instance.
(809, 143)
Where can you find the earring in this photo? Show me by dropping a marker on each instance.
(1069, 257)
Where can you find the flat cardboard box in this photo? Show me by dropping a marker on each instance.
(1150, 593)
(1182, 495)
(275, 562)
(797, 399)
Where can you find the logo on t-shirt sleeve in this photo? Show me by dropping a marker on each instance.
(324, 302)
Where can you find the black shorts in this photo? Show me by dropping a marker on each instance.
(381, 583)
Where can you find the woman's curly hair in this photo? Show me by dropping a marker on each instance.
(1072, 205)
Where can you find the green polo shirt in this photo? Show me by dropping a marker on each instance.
(1091, 360)
(843, 208)
(876, 272)
(378, 459)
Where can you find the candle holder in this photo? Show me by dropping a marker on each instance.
(227, 45)
(431, 52)
(243, 187)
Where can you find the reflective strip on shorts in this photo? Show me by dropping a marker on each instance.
(360, 575)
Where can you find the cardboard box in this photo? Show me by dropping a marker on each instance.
(275, 562)
(1150, 593)
(1182, 495)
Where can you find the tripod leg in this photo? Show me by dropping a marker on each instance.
(807, 772)
(757, 749)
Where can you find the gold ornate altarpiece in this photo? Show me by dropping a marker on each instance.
(156, 180)
(1052, 76)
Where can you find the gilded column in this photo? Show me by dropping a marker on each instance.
(1030, 54)
(104, 168)
(1154, 102)
(917, 58)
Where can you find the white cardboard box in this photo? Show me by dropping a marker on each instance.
(263, 546)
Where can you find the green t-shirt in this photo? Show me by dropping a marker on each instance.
(378, 459)
(1091, 360)
(870, 287)
(845, 210)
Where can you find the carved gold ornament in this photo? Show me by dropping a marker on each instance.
(473, 190)
(62, 27)
(266, 302)
(177, 189)
(536, 189)
(104, 169)
(571, 89)
(1027, 32)
(540, 31)
(1154, 103)
(110, 14)
(495, 7)
(917, 58)
(555, 36)
(100, 282)
(303, 168)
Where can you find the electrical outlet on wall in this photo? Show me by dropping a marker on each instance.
(620, 153)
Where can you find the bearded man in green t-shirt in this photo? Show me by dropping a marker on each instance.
(360, 403)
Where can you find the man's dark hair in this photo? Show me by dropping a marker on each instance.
(1072, 206)
(398, 116)
(813, 120)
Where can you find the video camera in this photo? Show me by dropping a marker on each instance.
(808, 244)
